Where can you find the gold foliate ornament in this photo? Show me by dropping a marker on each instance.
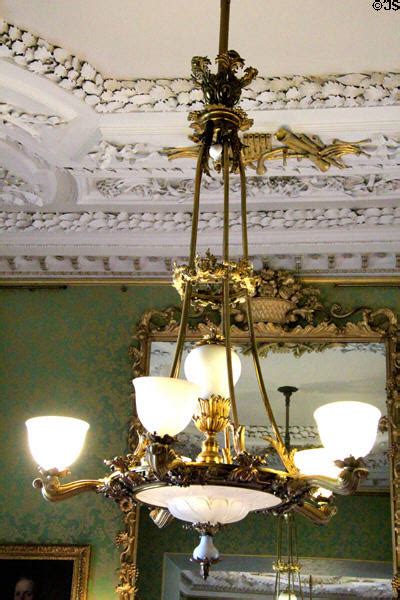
(207, 278)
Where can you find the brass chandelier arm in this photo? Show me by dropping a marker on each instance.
(193, 244)
(176, 365)
(196, 206)
(54, 491)
(346, 484)
(226, 305)
(225, 249)
(243, 205)
(260, 379)
(253, 342)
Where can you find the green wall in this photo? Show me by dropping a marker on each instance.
(66, 351)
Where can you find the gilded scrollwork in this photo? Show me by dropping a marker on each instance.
(258, 149)
(126, 588)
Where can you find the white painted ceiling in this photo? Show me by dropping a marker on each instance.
(91, 92)
(129, 39)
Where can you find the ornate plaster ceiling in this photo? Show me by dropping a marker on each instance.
(85, 189)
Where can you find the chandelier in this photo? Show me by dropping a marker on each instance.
(224, 482)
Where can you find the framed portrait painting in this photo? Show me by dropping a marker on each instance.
(44, 572)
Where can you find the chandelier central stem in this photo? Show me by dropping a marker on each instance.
(224, 27)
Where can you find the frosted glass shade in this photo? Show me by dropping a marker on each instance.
(347, 428)
(316, 461)
(206, 366)
(287, 596)
(165, 405)
(56, 442)
(208, 503)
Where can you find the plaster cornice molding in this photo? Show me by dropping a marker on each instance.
(381, 152)
(181, 190)
(244, 584)
(111, 95)
(180, 221)
(79, 265)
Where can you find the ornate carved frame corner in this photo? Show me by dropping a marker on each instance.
(286, 311)
(79, 555)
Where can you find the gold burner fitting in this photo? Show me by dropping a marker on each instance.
(213, 417)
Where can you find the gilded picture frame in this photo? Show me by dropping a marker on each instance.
(46, 571)
(286, 311)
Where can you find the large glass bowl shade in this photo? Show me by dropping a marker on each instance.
(208, 503)
(165, 405)
(56, 442)
(206, 366)
(347, 428)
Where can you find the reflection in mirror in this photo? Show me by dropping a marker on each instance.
(252, 578)
(323, 373)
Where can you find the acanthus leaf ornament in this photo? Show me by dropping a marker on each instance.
(224, 87)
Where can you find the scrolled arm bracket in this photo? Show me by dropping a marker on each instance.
(349, 479)
(54, 491)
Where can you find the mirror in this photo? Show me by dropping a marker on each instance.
(322, 373)
(328, 355)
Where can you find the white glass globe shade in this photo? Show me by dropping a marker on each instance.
(287, 596)
(165, 405)
(206, 549)
(347, 428)
(206, 366)
(56, 442)
(216, 151)
(208, 503)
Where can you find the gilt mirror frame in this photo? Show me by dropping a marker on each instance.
(286, 311)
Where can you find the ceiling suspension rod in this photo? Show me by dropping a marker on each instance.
(224, 26)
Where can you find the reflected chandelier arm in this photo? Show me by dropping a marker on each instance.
(348, 481)
(320, 514)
